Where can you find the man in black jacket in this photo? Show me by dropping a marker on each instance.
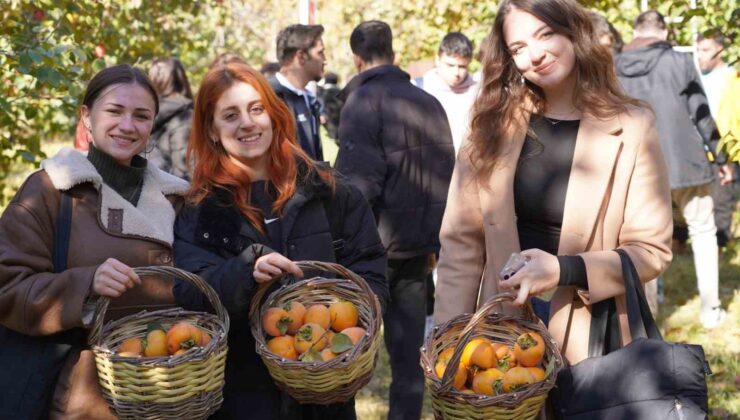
(300, 53)
(649, 69)
(396, 147)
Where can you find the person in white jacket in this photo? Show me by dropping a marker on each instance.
(451, 83)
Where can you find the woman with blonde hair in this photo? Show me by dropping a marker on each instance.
(559, 165)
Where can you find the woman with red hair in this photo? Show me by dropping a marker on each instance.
(257, 203)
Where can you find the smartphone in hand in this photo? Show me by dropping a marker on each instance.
(515, 263)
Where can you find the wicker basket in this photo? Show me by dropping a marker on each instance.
(173, 387)
(525, 402)
(338, 379)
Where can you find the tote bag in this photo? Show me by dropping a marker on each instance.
(648, 379)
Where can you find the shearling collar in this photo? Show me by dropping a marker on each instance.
(153, 216)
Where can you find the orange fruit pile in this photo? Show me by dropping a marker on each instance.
(162, 342)
(316, 334)
(489, 368)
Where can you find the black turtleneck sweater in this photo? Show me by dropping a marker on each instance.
(125, 180)
(540, 185)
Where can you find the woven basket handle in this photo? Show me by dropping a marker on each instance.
(486, 309)
(309, 265)
(96, 337)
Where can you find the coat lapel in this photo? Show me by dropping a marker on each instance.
(597, 148)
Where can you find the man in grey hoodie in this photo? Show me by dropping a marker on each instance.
(451, 83)
(649, 69)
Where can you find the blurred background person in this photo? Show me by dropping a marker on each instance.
(226, 58)
(649, 69)
(720, 80)
(396, 147)
(300, 52)
(172, 126)
(451, 83)
(331, 104)
(606, 33)
(269, 69)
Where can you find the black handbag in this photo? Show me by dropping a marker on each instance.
(30, 365)
(647, 379)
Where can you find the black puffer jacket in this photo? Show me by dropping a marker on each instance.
(396, 147)
(216, 242)
(650, 70)
(170, 135)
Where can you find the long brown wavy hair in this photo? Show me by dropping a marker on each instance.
(214, 170)
(504, 102)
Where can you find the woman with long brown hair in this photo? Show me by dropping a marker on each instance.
(257, 203)
(559, 165)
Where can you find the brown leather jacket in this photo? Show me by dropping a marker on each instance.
(36, 301)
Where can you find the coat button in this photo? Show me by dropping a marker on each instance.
(206, 235)
(226, 240)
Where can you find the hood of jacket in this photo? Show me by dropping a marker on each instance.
(153, 216)
(384, 73)
(640, 56)
(169, 108)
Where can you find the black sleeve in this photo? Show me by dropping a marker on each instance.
(698, 107)
(363, 252)
(231, 278)
(361, 157)
(572, 271)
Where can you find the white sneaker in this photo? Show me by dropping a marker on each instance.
(714, 318)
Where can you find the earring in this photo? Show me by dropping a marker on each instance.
(521, 79)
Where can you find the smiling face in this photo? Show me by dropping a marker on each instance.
(121, 120)
(243, 127)
(545, 58)
(453, 69)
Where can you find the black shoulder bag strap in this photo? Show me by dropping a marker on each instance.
(61, 234)
(604, 331)
(336, 223)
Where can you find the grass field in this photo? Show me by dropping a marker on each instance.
(678, 319)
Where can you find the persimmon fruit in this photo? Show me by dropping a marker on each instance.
(183, 335)
(276, 322)
(517, 377)
(478, 352)
(488, 382)
(354, 333)
(343, 315)
(310, 336)
(283, 346)
(131, 347)
(318, 314)
(297, 314)
(155, 344)
(529, 349)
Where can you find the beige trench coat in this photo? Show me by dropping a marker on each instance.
(618, 197)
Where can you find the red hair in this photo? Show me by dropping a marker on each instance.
(213, 168)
